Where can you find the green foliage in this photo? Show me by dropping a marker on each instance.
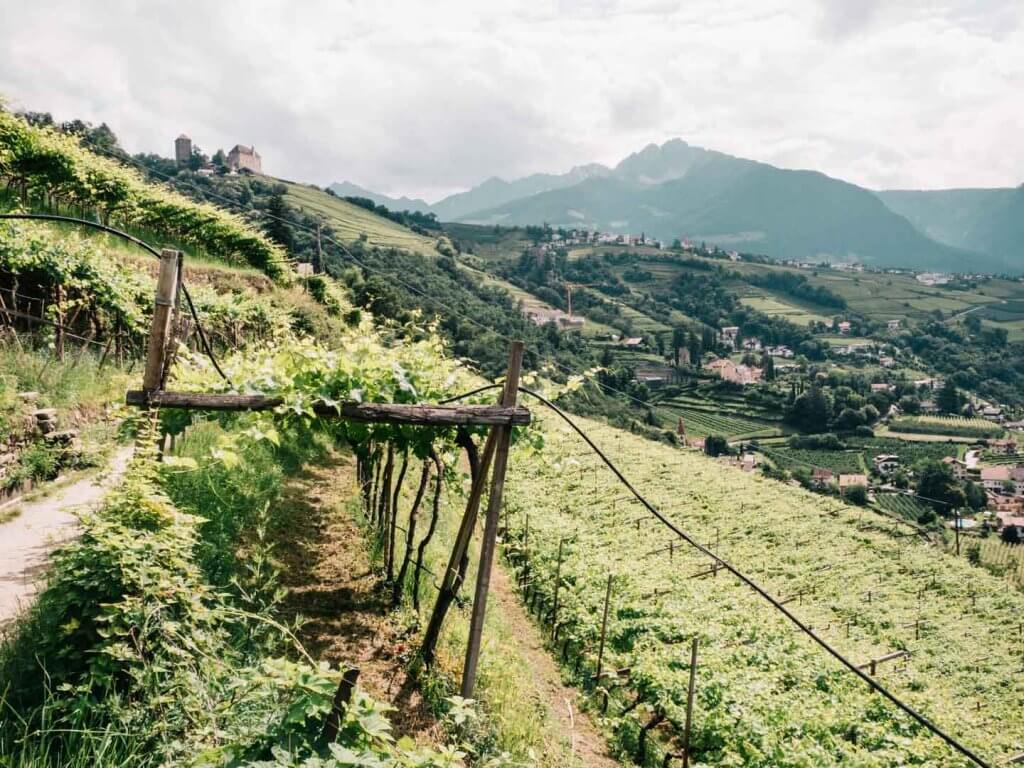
(45, 164)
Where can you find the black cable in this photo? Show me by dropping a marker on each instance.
(145, 246)
(921, 719)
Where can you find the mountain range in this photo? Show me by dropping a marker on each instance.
(676, 190)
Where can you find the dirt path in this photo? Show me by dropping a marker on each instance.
(27, 540)
(327, 569)
(587, 743)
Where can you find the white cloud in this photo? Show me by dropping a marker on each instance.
(424, 98)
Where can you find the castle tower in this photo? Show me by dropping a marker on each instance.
(183, 149)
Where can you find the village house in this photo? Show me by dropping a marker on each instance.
(882, 387)
(1003, 447)
(885, 361)
(1011, 518)
(780, 351)
(893, 325)
(752, 344)
(958, 467)
(995, 479)
(729, 333)
(634, 342)
(821, 477)
(844, 327)
(727, 370)
(848, 481)
(886, 463)
(992, 412)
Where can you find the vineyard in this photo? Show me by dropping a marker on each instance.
(905, 506)
(955, 426)
(1000, 558)
(765, 696)
(707, 411)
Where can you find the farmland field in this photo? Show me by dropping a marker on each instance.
(766, 695)
(956, 426)
(702, 421)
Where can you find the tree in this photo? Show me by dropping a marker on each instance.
(975, 494)
(949, 399)
(1011, 535)
(856, 494)
(811, 410)
(937, 485)
(716, 445)
(277, 227)
(768, 365)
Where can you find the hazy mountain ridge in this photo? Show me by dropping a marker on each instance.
(679, 190)
(348, 189)
(987, 220)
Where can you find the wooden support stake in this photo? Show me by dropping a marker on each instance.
(341, 699)
(487, 545)
(689, 704)
(161, 325)
(558, 584)
(604, 627)
(451, 582)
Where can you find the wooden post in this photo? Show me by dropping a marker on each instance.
(319, 251)
(956, 529)
(558, 584)
(604, 627)
(58, 337)
(502, 440)
(161, 325)
(341, 699)
(451, 581)
(689, 704)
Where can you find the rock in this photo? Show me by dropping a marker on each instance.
(45, 414)
(63, 436)
(7, 458)
(28, 397)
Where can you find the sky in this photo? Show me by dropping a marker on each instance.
(428, 98)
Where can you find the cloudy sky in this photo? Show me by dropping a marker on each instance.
(425, 98)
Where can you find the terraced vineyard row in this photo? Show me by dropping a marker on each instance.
(957, 426)
(766, 695)
(703, 423)
(903, 505)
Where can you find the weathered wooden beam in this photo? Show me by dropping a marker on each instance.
(394, 413)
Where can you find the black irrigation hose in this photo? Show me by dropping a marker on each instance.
(146, 247)
(913, 713)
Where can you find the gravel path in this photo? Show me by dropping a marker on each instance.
(26, 541)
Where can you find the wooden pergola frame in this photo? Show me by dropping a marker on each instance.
(500, 418)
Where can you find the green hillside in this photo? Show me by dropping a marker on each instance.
(351, 222)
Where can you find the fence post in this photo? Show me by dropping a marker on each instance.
(689, 704)
(503, 437)
(160, 328)
(558, 584)
(604, 627)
